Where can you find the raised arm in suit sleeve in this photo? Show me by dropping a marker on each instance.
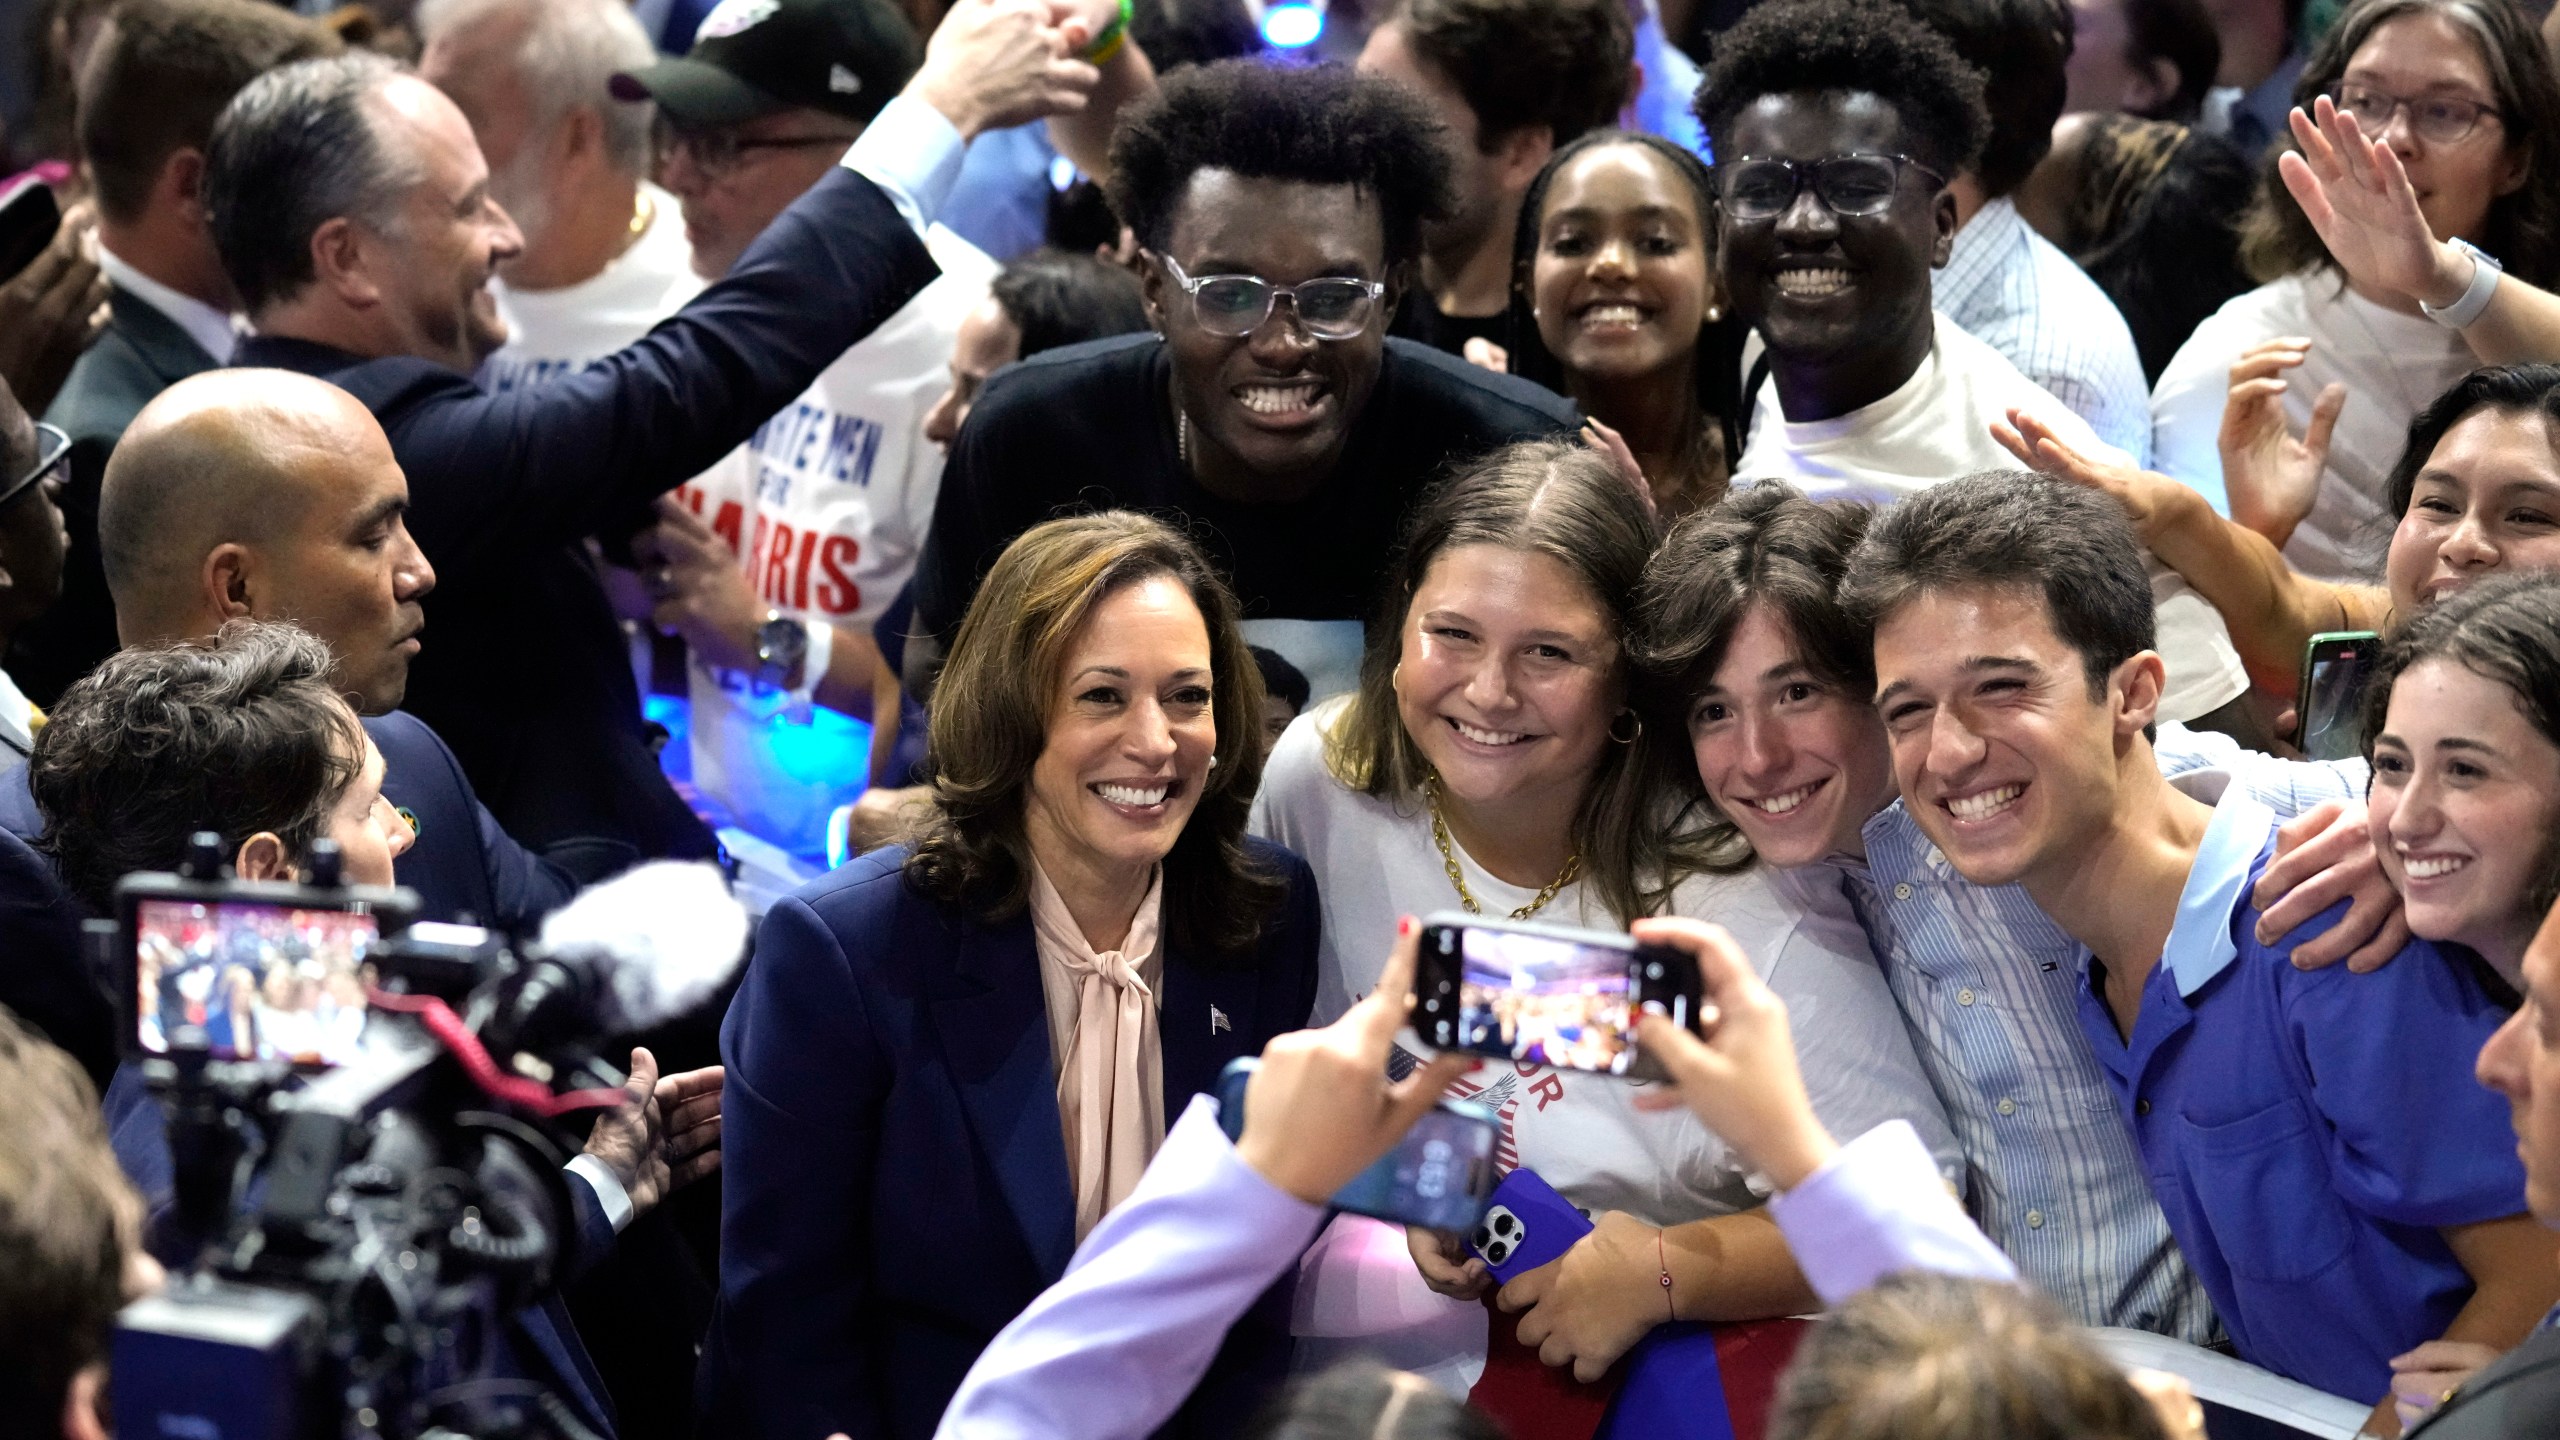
(799, 1141)
(1116, 1345)
(549, 464)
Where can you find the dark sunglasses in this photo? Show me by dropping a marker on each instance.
(53, 460)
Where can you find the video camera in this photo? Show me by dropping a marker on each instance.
(364, 1123)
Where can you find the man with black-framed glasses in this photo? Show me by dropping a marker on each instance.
(1279, 214)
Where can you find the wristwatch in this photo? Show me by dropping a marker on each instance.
(782, 648)
(2485, 271)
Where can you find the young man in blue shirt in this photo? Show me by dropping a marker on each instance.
(2342, 1187)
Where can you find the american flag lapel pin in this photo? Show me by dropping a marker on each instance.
(1218, 1020)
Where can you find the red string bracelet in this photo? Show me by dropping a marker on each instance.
(1663, 1259)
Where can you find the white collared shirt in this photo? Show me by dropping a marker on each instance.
(209, 326)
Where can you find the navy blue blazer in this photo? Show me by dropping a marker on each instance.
(526, 673)
(894, 1171)
(464, 866)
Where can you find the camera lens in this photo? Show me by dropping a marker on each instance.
(1497, 1253)
(1504, 1226)
(1481, 1238)
(1653, 970)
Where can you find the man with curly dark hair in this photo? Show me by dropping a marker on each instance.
(1840, 125)
(1278, 212)
(1511, 82)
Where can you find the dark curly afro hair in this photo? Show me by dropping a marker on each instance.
(1320, 125)
(1788, 46)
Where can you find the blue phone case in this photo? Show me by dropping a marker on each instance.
(1526, 1224)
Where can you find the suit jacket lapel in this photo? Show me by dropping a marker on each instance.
(993, 1023)
(163, 343)
(1207, 1017)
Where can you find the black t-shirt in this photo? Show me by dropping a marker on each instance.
(1090, 427)
(1422, 322)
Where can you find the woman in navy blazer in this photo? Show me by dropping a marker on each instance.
(896, 1173)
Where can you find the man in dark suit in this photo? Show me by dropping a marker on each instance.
(2518, 1395)
(350, 204)
(158, 73)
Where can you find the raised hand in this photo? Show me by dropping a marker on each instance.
(997, 63)
(2358, 198)
(2273, 478)
(1321, 1110)
(2150, 500)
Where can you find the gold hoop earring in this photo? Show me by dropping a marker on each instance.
(1631, 738)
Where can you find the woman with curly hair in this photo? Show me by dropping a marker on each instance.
(949, 1060)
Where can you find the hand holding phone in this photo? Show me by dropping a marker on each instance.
(1320, 1110)
(2335, 666)
(1437, 1176)
(1545, 994)
(1525, 1225)
(1741, 1079)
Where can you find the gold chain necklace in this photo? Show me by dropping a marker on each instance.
(1457, 877)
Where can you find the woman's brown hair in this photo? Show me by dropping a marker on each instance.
(997, 694)
(1566, 502)
(1923, 1356)
(1767, 545)
(2523, 230)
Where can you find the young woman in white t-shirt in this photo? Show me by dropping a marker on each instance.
(2464, 94)
(1491, 762)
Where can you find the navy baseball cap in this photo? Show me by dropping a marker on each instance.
(754, 57)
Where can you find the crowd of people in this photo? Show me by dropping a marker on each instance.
(1885, 498)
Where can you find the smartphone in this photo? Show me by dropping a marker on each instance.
(244, 971)
(2335, 666)
(1437, 1177)
(1545, 994)
(28, 219)
(1526, 1224)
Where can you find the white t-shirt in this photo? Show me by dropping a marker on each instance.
(827, 508)
(2392, 365)
(552, 332)
(1936, 428)
(1375, 863)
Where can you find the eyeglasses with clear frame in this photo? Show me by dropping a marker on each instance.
(2436, 119)
(1756, 188)
(1331, 307)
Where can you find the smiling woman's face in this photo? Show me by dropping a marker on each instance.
(1131, 731)
(1620, 284)
(2488, 501)
(1508, 677)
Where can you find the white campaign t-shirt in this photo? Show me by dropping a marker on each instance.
(1936, 428)
(2392, 365)
(552, 332)
(827, 508)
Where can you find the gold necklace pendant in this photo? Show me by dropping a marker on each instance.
(1457, 877)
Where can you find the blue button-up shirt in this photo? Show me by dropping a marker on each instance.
(2308, 1133)
(2015, 292)
(1989, 989)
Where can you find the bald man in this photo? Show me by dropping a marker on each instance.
(273, 495)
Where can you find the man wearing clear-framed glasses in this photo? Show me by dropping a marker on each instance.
(1279, 213)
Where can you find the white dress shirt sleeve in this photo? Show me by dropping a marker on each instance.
(608, 1187)
(911, 151)
(1114, 1347)
(1877, 1209)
